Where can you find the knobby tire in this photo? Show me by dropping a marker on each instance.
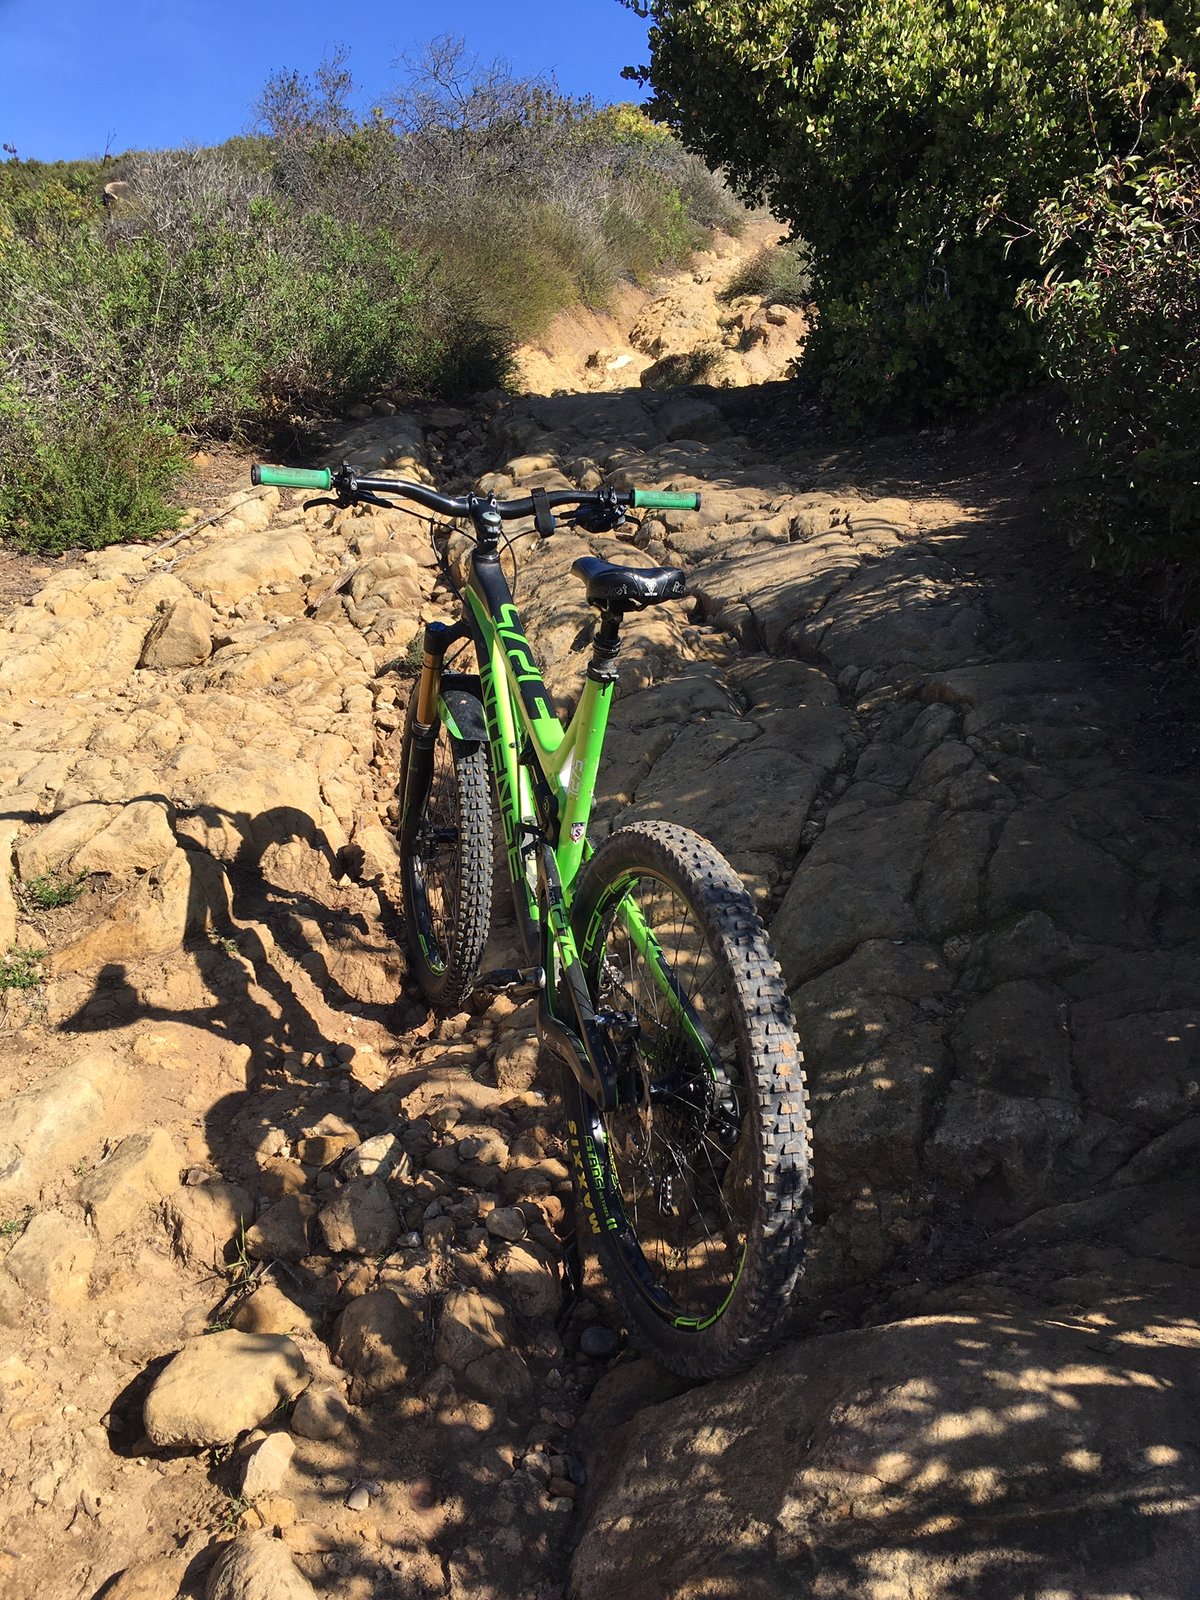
(445, 860)
(695, 1194)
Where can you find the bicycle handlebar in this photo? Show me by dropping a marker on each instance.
(448, 506)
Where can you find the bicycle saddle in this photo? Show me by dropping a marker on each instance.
(627, 588)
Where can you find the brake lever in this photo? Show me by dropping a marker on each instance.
(606, 517)
(359, 497)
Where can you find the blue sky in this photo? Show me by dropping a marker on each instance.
(77, 75)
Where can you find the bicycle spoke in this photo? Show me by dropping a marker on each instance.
(674, 1156)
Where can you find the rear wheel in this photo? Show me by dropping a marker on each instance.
(695, 1191)
(445, 859)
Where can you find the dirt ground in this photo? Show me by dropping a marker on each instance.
(956, 768)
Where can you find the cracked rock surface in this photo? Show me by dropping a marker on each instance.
(966, 806)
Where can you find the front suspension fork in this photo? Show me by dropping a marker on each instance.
(438, 638)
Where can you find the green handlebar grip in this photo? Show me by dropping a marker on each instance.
(292, 477)
(652, 500)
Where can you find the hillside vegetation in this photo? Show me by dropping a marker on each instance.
(989, 193)
(228, 293)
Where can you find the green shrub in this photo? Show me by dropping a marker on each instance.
(917, 343)
(80, 481)
(1119, 315)
(234, 293)
(892, 134)
(23, 968)
(778, 273)
(51, 890)
(113, 350)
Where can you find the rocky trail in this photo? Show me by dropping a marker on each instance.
(279, 1297)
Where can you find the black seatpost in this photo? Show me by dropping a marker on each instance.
(606, 646)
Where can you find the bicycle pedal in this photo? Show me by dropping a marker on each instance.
(522, 983)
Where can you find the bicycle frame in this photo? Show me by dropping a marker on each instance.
(545, 779)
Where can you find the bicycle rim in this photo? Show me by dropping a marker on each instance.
(680, 1154)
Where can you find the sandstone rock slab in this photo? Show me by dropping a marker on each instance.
(996, 1455)
(53, 1259)
(141, 1170)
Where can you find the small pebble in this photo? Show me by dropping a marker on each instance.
(599, 1342)
(359, 1498)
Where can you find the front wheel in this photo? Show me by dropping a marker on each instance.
(694, 1192)
(445, 858)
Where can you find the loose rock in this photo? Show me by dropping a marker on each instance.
(257, 1566)
(506, 1222)
(373, 1339)
(516, 1062)
(268, 1466)
(320, 1413)
(268, 1310)
(379, 1157)
(531, 1283)
(361, 1220)
(122, 1189)
(182, 636)
(281, 1233)
(471, 1324)
(160, 1579)
(204, 1219)
(220, 1385)
(599, 1342)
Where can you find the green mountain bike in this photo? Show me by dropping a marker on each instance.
(657, 988)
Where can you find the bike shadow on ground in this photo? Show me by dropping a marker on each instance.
(274, 1002)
